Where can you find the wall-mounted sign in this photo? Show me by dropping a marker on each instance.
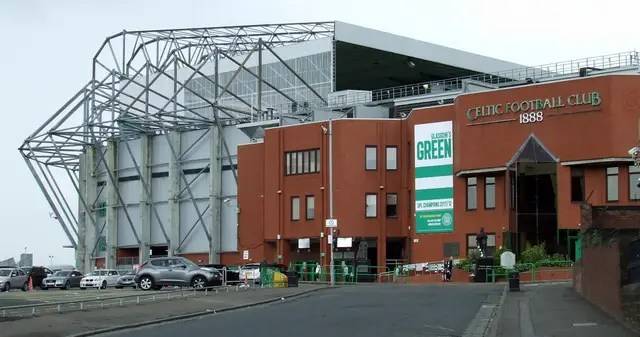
(304, 243)
(344, 242)
(532, 110)
(245, 254)
(434, 177)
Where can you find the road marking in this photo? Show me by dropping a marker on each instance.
(526, 326)
(577, 325)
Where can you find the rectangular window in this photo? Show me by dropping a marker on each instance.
(311, 207)
(577, 184)
(472, 193)
(371, 160)
(295, 208)
(370, 205)
(473, 245)
(302, 162)
(490, 192)
(392, 205)
(392, 158)
(634, 180)
(288, 163)
(612, 184)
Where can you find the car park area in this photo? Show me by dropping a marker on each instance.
(37, 296)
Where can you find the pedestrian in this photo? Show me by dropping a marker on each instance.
(448, 267)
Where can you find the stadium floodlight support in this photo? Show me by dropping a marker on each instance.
(124, 101)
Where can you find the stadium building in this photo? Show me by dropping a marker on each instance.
(212, 143)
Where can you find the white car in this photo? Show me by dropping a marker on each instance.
(101, 279)
(250, 272)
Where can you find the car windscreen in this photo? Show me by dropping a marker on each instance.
(62, 273)
(5, 272)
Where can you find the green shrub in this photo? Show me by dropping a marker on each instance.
(533, 254)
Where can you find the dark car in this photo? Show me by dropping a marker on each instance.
(62, 279)
(232, 275)
(38, 274)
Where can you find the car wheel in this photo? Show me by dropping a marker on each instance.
(146, 283)
(44, 288)
(83, 288)
(6, 287)
(199, 282)
(118, 287)
(25, 286)
(67, 286)
(104, 285)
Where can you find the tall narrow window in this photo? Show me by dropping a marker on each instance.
(370, 205)
(371, 160)
(612, 184)
(288, 163)
(295, 208)
(392, 158)
(312, 161)
(294, 163)
(577, 184)
(490, 192)
(300, 159)
(472, 193)
(634, 180)
(305, 162)
(392, 205)
(311, 207)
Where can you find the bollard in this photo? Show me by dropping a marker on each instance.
(205, 291)
(58, 308)
(33, 311)
(153, 298)
(4, 313)
(216, 291)
(81, 306)
(236, 288)
(120, 302)
(137, 299)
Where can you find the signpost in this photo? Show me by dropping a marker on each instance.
(434, 177)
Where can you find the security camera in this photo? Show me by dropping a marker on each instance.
(633, 150)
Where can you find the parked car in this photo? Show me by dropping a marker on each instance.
(166, 271)
(64, 279)
(250, 272)
(127, 280)
(12, 277)
(232, 275)
(38, 274)
(101, 279)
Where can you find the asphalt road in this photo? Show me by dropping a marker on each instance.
(380, 310)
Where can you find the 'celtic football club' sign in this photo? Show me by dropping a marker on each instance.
(434, 177)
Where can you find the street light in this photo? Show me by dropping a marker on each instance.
(329, 133)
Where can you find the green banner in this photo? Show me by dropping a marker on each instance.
(434, 177)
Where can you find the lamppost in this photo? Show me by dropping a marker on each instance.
(50, 260)
(333, 276)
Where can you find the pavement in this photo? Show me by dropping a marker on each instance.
(554, 310)
(82, 322)
(427, 310)
(18, 297)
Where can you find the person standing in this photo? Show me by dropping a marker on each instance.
(448, 268)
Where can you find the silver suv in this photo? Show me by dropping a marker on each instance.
(172, 271)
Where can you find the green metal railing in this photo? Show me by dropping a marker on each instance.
(496, 272)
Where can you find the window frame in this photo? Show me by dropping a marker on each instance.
(294, 197)
(375, 206)
(486, 184)
(292, 159)
(467, 186)
(631, 182)
(395, 157)
(606, 180)
(386, 209)
(582, 180)
(306, 206)
(366, 161)
(495, 237)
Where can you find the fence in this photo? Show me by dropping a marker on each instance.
(30, 310)
(530, 271)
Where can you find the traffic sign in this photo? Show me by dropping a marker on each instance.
(331, 223)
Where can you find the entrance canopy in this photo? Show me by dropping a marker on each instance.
(532, 151)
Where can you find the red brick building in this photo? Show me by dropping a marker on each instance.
(523, 159)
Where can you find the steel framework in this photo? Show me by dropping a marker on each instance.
(127, 98)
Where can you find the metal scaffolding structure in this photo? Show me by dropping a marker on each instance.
(137, 90)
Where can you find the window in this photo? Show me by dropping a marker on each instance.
(295, 208)
(472, 195)
(634, 179)
(311, 207)
(392, 158)
(371, 160)
(472, 244)
(490, 192)
(577, 184)
(370, 205)
(302, 162)
(392, 205)
(612, 183)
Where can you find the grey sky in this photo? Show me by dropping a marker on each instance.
(47, 48)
